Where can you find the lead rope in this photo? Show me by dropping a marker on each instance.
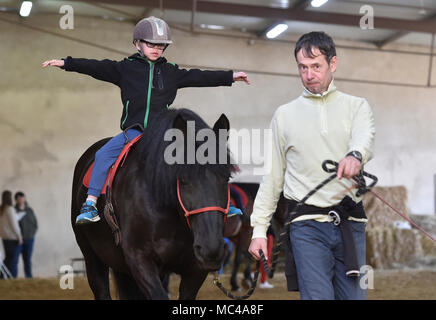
(284, 230)
(276, 251)
(413, 223)
(362, 189)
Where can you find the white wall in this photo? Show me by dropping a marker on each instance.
(48, 117)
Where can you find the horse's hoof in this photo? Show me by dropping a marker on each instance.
(246, 283)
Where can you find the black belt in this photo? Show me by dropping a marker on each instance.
(340, 214)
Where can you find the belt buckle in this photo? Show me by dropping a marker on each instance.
(335, 216)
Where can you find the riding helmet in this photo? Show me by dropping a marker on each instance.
(153, 30)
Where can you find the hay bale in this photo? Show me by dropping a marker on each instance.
(428, 246)
(381, 216)
(427, 222)
(387, 245)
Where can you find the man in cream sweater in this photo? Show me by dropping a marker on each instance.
(323, 123)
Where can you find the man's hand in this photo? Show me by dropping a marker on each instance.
(348, 167)
(54, 63)
(255, 245)
(241, 76)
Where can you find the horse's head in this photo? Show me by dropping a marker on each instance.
(203, 192)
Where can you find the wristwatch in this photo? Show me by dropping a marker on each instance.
(355, 154)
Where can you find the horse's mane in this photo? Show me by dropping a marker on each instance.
(161, 177)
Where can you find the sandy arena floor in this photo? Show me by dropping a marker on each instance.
(388, 284)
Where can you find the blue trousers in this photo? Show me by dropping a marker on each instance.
(12, 252)
(319, 259)
(26, 252)
(105, 158)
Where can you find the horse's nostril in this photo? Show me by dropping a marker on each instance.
(214, 253)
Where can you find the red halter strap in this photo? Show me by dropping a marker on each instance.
(204, 209)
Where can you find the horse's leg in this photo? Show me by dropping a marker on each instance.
(236, 264)
(96, 272)
(127, 288)
(146, 274)
(166, 283)
(190, 284)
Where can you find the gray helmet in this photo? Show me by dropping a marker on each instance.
(153, 30)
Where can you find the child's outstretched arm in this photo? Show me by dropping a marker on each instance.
(241, 76)
(53, 63)
(105, 70)
(208, 78)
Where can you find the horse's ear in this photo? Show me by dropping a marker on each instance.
(221, 123)
(180, 123)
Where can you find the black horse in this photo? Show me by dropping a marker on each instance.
(156, 238)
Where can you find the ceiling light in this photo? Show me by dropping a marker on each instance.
(281, 4)
(211, 26)
(26, 7)
(318, 3)
(276, 30)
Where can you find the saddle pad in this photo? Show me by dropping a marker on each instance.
(113, 169)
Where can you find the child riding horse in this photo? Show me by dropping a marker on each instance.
(148, 84)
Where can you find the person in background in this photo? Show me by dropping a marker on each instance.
(29, 226)
(10, 233)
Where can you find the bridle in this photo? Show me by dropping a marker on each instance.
(204, 209)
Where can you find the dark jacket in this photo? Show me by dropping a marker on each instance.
(28, 224)
(146, 86)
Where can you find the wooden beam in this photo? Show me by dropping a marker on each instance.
(301, 5)
(283, 14)
(381, 43)
(400, 34)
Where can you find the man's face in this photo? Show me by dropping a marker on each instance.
(151, 51)
(316, 73)
(20, 201)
